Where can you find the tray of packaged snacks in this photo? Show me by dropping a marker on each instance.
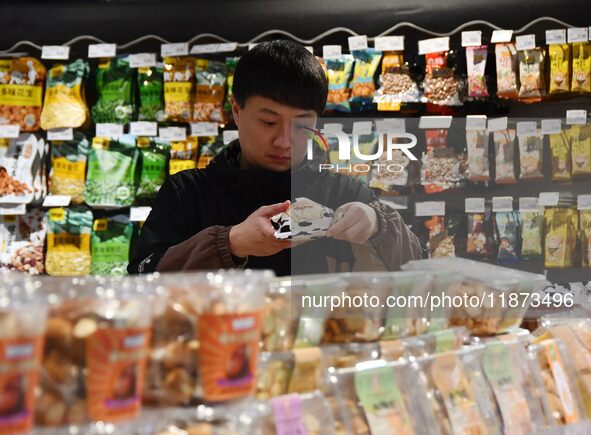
(522, 335)
(424, 344)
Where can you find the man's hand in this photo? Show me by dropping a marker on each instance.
(354, 222)
(256, 235)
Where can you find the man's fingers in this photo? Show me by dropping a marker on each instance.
(340, 226)
(272, 210)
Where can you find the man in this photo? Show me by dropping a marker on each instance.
(219, 217)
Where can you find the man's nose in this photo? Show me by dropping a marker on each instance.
(283, 138)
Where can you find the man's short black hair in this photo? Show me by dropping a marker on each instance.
(283, 71)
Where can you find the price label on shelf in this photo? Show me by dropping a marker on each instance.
(173, 134)
(549, 199)
(331, 51)
(102, 50)
(13, 210)
(551, 126)
(475, 205)
(143, 128)
(578, 34)
(10, 131)
(60, 134)
(139, 214)
(391, 125)
(497, 124)
(175, 49)
(584, 202)
(109, 130)
(142, 60)
(357, 42)
(502, 203)
(435, 122)
(214, 48)
(430, 208)
(55, 52)
(229, 135)
(500, 36)
(525, 42)
(576, 117)
(529, 203)
(476, 122)
(434, 45)
(204, 129)
(472, 38)
(57, 201)
(527, 128)
(362, 128)
(556, 36)
(389, 43)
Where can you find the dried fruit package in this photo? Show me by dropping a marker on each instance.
(581, 78)
(560, 225)
(18, 160)
(397, 84)
(183, 155)
(363, 87)
(21, 92)
(559, 68)
(507, 70)
(179, 76)
(114, 83)
(478, 164)
(68, 167)
(211, 83)
(531, 75)
(531, 153)
(480, 240)
(504, 156)
(22, 242)
(150, 82)
(110, 245)
(339, 92)
(585, 225)
(68, 241)
(440, 84)
(443, 169)
(560, 150)
(532, 230)
(64, 104)
(153, 161)
(476, 62)
(507, 232)
(580, 143)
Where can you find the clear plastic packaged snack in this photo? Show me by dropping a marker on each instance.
(531, 157)
(532, 85)
(397, 83)
(507, 70)
(477, 146)
(211, 79)
(504, 156)
(274, 374)
(440, 84)
(279, 327)
(476, 62)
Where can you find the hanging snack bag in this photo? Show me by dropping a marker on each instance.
(507, 67)
(580, 142)
(441, 242)
(179, 76)
(585, 224)
(68, 167)
(150, 82)
(397, 83)
(581, 78)
(531, 153)
(114, 83)
(561, 236)
(209, 99)
(18, 159)
(22, 242)
(476, 62)
(443, 168)
(68, 241)
(111, 180)
(64, 104)
(339, 92)
(480, 241)
(560, 148)
(183, 155)
(153, 161)
(209, 147)
(363, 87)
(477, 145)
(111, 242)
(531, 75)
(559, 68)
(504, 156)
(440, 84)
(21, 92)
(532, 230)
(231, 63)
(507, 230)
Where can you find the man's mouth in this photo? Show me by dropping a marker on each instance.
(280, 158)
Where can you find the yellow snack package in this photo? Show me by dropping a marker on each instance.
(561, 157)
(559, 68)
(585, 222)
(561, 237)
(581, 81)
(179, 76)
(580, 142)
(183, 155)
(64, 105)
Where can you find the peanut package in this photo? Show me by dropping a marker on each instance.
(211, 79)
(397, 83)
(440, 84)
(179, 77)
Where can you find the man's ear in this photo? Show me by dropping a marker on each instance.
(235, 110)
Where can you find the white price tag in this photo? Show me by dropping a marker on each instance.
(389, 43)
(472, 39)
(357, 42)
(60, 134)
(497, 124)
(55, 52)
(109, 130)
(525, 42)
(310, 48)
(502, 203)
(143, 128)
(529, 204)
(10, 131)
(556, 36)
(430, 208)
(214, 48)
(139, 214)
(584, 202)
(474, 205)
(362, 128)
(57, 201)
(476, 122)
(528, 128)
(434, 45)
(175, 49)
(13, 210)
(229, 135)
(500, 36)
(551, 126)
(391, 125)
(172, 134)
(549, 199)
(576, 117)
(204, 129)
(427, 122)
(102, 50)
(578, 34)
(142, 60)
(331, 51)
(332, 127)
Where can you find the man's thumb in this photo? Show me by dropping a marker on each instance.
(272, 210)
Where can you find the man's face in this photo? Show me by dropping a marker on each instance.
(269, 138)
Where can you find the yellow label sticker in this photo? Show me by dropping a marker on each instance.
(388, 106)
(20, 95)
(63, 168)
(57, 214)
(101, 225)
(100, 143)
(4, 143)
(68, 242)
(177, 91)
(104, 63)
(9, 219)
(181, 165)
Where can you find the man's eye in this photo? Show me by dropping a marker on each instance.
(268, 123)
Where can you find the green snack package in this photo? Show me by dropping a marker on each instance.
(112, 172)
(111, 241)
(68, 167)
(151, 85)
(114, 82)
(153, 160)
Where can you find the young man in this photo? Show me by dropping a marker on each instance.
(219, 217)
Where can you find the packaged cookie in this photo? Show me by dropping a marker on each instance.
(96, 346)
(580, 142)
(210, 88)
(559, 55)
(363, 87)
(507, 70)
(531, 155)
(476, 62)
(21, 91)
(19, 159)
(585, 228)
(274, 374)
(397, 84)
(507, 234)
(153, 162)
(22, 242)
(560, 150)
(477, 146)
(150, 82)
(68, 167)
(581, 77)
(440, 84)
(179, 76)
(561, 235)
(531, 75)
(116, 97)
(339, 92)
(532, 230)
(504, 156)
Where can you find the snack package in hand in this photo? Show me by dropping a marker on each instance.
(305, 220)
